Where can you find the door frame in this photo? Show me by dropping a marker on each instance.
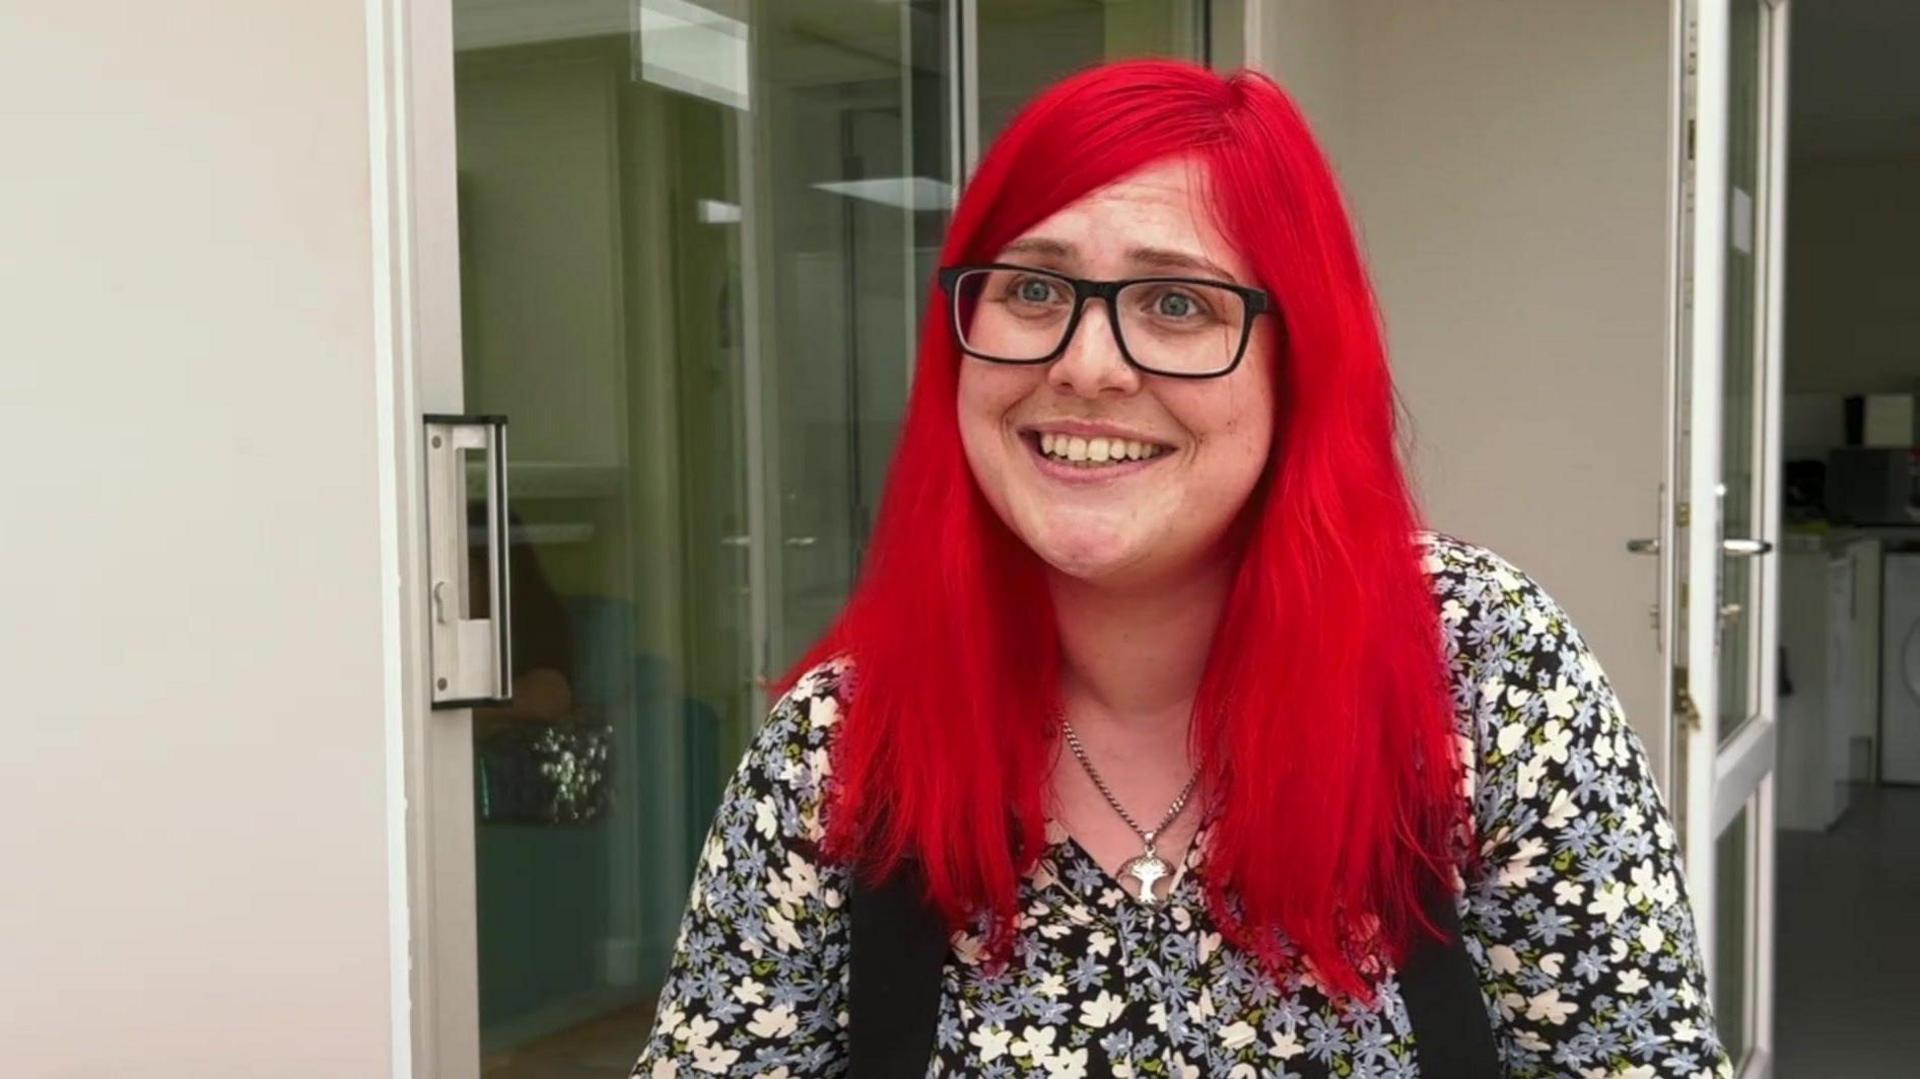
(1711, 783)
(415, 254)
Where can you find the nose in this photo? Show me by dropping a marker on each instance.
(1092, 364)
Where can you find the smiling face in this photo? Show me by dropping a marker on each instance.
(1112, 475)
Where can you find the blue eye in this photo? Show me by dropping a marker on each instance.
(1033, 290)
(1176, 305)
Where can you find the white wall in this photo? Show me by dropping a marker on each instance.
(192, 766)
(1507, 165)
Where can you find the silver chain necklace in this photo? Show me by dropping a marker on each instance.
(1147, 867)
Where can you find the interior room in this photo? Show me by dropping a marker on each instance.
(1848, 792)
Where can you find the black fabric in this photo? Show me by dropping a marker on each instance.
(900, 946)
(1451, 1032)
(893, 991)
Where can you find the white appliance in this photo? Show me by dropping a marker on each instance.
(1900, 670)
(1819, 622)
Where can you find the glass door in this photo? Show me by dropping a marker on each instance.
(694, 239)
(1726, 524)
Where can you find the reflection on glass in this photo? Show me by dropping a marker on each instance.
(696, 239)
(1740, 577)
(1732, 932)
(1026, 44)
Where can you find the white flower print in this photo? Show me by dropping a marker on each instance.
(1560, 706)
(1067, 1064)
(1101, 1010)
(823, 712)
(1237, 1034)
(1285, 1045)
(1560, 811)
(1652, 936)
(714, 1059)
(1503, 959)
(1034, 1042)
(696, 1030)
(775, 1022)
(1609, 901)
(784, 933)
(991, 1041)
(1548, 1005)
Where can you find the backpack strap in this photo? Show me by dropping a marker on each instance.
(893, 989)
(900, 945)
(1452, 1033)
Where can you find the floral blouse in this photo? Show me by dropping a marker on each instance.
(1578, 924)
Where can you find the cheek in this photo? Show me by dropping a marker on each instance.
(985, 396)
(1235, 431)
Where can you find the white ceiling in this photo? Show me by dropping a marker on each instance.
(1854, 78)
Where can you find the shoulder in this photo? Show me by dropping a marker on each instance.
(784, 772)
(1531, 698)
(1497, 615)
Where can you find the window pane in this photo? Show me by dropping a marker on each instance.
(696, 241)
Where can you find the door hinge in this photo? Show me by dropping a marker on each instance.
(1683, 705)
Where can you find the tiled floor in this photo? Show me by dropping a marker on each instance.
(1848, 959)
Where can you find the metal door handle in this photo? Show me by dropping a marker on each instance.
(471, 658)
(1739, 548)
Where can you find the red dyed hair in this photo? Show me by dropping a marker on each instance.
(1322, 722)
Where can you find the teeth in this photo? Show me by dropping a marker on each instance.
(1095, 451)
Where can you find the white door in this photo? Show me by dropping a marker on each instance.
(681, 246)
(1725, 526)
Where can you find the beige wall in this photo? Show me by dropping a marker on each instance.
(192, 769)
(1507, 164)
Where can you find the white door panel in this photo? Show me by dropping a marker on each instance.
(1725, 528)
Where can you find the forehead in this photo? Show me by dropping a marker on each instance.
(1137, 221)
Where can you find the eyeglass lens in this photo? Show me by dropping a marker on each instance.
(1174, 327)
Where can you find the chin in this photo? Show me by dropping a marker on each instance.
(1091, 555)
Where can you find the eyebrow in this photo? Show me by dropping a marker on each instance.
(1160, 258)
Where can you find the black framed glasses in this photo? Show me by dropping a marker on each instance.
(1180, 327)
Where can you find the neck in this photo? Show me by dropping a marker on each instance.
(1134, 656)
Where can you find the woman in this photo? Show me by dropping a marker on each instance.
(1159, 697)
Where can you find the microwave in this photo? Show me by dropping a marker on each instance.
(1874, 485)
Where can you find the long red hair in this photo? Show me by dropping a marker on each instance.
(1322, 723)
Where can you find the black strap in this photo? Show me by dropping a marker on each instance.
(893, 991)
(900, 946)
(1452, 1033)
